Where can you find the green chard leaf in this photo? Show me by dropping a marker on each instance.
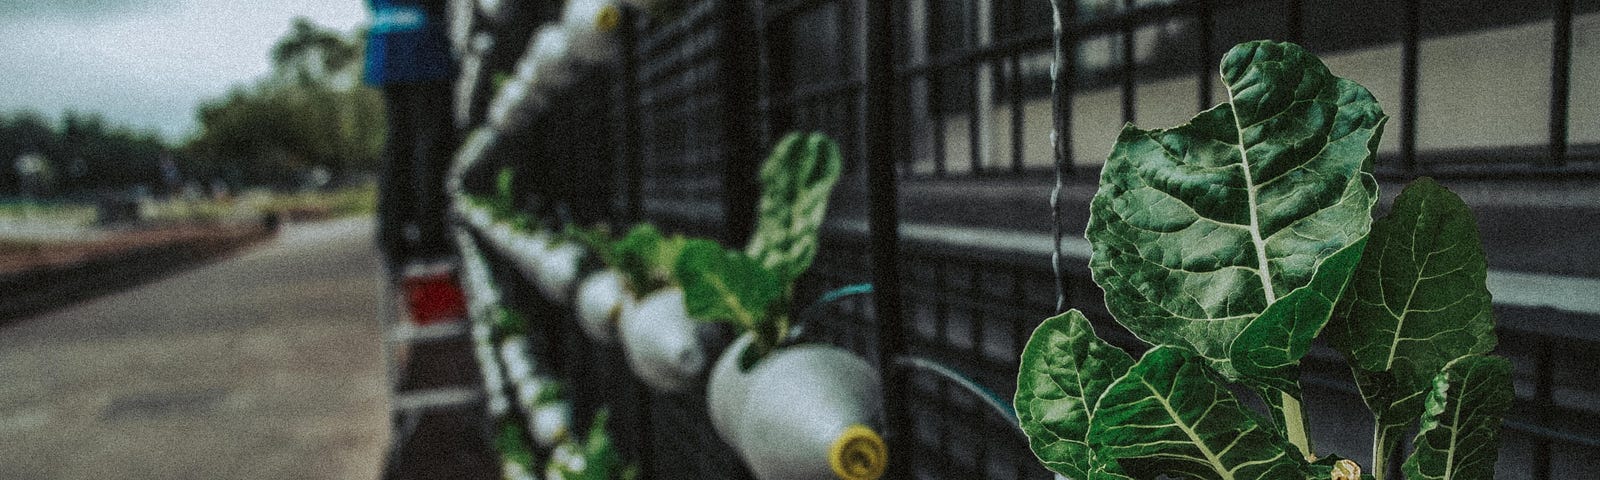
(646, 258)
(720, 285)
(602, 461)
(511, 441)
(1065, 369)
(597, 240)
(1418, 301)
(1107, 470)
(1171, 415)
(504, 198)
(1269, 349)
(796, 181)
(1199, 228)
(1460, 434)
(507, 322)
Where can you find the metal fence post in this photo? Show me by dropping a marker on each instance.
(633, 169)
(739, 52)
(1409, 48)
(879, 150)
(1560, 81)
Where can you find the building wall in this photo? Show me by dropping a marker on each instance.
(1483, 89)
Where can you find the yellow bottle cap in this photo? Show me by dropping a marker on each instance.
(858, 454)
(610, 16)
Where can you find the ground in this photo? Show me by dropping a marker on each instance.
(265, 365)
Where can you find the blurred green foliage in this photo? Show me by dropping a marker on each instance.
(311, 111)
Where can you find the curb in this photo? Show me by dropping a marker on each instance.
(35, 291)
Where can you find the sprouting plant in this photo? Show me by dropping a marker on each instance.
(646, 258)
(754, 289)
(1228, 244)
(593, 458)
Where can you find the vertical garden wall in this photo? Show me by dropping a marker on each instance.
(948, 203)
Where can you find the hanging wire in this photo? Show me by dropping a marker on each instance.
(1059, 140)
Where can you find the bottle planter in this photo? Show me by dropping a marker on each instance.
(567, 457)
(471, 52)
(590, 27)
(514, 356)
(497, 404)
(525, 250)
(662, 343)
(515, 104)
(550, 423)
(548, 64)
(808, 413)
(471, 153)
(726, 389)
(477, 217)
(516, 471)
(498, 11)
(599, 301)
(461, 25)
(556, 271)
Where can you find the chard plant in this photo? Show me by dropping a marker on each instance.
(644, 256)
(516, 452)
(501, 203)
(754, 289)
(593, 458)
(1228, 244)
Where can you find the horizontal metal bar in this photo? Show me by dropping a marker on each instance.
(437, 399)
(785, 10)
(688, 98)
(1040, 40)
(698, 16)
(811, 91)
(1532, 290)
(409, 333)
(657, 69)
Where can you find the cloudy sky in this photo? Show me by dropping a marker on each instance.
(145, 63)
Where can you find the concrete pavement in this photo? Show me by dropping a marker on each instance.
(265, 365)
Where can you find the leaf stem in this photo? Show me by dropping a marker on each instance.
(1380, 451)
(1294, 425)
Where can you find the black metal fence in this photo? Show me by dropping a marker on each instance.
(944, 112)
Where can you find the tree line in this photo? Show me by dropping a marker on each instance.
(309, 117)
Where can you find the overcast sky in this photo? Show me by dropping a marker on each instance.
(145, 63)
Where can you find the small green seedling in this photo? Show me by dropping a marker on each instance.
(754, 289)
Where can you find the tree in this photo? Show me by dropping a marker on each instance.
(309, 112)
(82, 152)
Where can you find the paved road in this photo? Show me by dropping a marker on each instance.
(265, 365)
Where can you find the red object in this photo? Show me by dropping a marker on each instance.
(434, 298)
